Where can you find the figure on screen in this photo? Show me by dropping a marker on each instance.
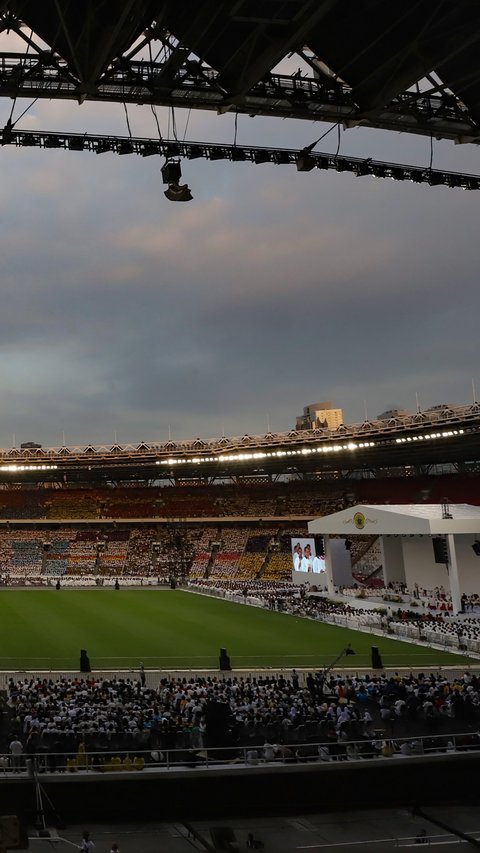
(307, 561)
(298, 558)
(319, 565)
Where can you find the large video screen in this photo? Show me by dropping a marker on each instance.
(307, 556)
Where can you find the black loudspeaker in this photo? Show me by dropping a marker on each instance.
(440, 549)
(173, 584)
(376, 658)
(476, 548)
(224, 661)
(217, 718)
(84, 661)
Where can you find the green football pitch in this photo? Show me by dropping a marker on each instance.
(45, 629)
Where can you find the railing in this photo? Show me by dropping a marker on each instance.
(403, 630)
(132, 760)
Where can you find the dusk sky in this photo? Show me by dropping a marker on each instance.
(125, 313)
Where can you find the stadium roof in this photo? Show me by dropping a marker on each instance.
(449, 434)
(400, 520)
(366, 58)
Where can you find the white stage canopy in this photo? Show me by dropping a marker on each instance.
(407, 534)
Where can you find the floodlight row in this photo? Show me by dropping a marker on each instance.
(14, 468)
(432, 435)
(247, 457)
(304, 160)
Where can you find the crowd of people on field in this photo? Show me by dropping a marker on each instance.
(44, 717)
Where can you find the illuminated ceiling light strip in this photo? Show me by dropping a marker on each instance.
(13, 468)
(247, 457)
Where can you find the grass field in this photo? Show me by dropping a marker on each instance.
(45, 629)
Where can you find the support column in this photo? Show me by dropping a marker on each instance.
(329, 564)
(392, 559)
(453, 575)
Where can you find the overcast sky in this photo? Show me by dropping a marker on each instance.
(124, 313)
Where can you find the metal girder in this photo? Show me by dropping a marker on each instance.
(305, 161)
(195, 86)
(257, 63)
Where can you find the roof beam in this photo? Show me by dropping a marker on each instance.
(256, 64)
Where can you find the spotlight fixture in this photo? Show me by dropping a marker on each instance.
(217, 153)
(76, 143)
(149, 149)
(363, 168)
(261, 156)
(193, 152)
(125, 147)
(171, 174)
(52, 142)
(178, 192)
(171, 149)
(102, 146)
(238, 155)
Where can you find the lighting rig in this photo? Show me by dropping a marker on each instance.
(173, 151)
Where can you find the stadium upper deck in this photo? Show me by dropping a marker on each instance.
(443, 435)
(365, 58)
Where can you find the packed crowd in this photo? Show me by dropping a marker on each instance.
(44, 717)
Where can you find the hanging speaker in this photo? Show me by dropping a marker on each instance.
(440, 549)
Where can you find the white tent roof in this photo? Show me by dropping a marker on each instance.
(399, 519)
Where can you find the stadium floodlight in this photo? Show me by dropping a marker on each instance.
(435, 179)
(148, 149)
(238, 155)
(217, 153)
(281, 157)
(171, 149)
(363, 168)
(125, 147)
(262, 156)
(193, 152)
(52, 142)
(103, 145)
(76, 143)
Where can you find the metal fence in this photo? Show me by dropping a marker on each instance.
(379, 746)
